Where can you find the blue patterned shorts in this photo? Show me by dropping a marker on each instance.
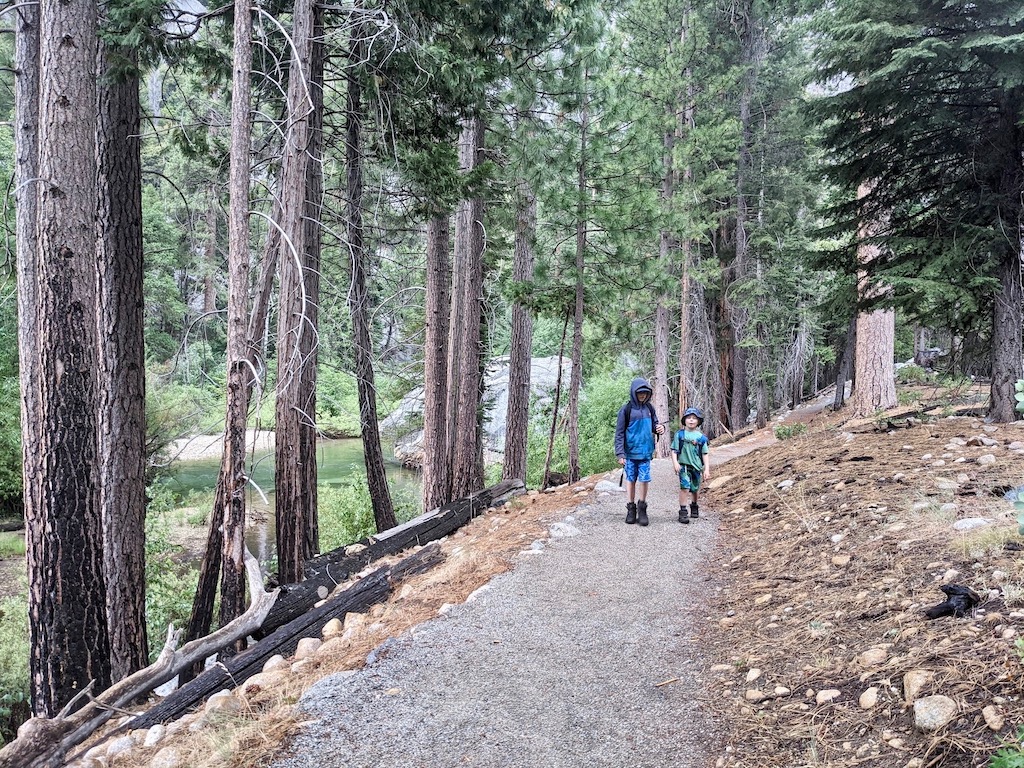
(638, 470)
(689, 478)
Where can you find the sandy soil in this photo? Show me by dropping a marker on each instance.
(212, 446)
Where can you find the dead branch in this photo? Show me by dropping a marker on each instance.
(45, 742)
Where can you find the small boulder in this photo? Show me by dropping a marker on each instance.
(827, 695)
(332, 628)
(869, 698)
(993, 719)
(166, 758)
(913, 682)
(934, 712)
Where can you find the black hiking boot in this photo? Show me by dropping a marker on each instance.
(684, 515)
(630, 513)
(641, 513)
(694, 511)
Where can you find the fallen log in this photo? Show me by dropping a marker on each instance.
(325, 572)
(46, 742)
(372, 589)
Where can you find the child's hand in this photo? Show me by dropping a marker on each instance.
(675, 466)
(659, 429)
(622, 461)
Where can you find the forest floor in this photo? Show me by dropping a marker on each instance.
(831, 545)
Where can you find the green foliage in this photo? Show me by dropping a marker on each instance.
(599, 407)
(914, 374)
(1011, 754)
(1018, 395)
(11, 545)
(14, 677)
(337, 403)
(170, 584)
(788, 431)
(175, 410)
(346, 513)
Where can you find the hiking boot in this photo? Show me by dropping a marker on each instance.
(684, 516)
(641, 513)
(630, 513)
(694, 511)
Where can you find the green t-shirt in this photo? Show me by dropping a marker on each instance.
(690, 447)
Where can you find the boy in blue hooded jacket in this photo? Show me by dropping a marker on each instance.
(635, 432)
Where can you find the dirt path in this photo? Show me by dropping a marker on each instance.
(582, 656)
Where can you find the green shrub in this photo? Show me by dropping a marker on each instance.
(1011, 754)
(14, 678)
(170, 585)
(914, 374)
(787, 431)
(337, 403)
(599, 407)
(11, 545)
(346, 513)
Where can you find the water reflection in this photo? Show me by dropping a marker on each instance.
(338, 462)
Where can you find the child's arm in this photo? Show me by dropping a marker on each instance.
(707, 463)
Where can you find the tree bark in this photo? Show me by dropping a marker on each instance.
(845, 364)
(232, 593)
(465, 348)
(436, 445)
(876, 331)
(373, 455)
(661, 312)
(122, 359)
(577, 320)
(1007, 341)
(517, 420)
(295, 432)
(69, 643)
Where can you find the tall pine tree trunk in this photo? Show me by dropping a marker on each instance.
(122, 388)
(1007, 342)
(380, 494)
(465, 348)
(227, 518)
(576, 376)
(546, 475)
(295, 418)
(661, 313)
(876, 331)
(517, 421)
(436, 440)
(69, 644)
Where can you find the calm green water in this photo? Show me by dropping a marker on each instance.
(338, 460)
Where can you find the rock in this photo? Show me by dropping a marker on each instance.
(948, 509)
(224, 702)
(869, 698)
(607, 486)
(763, 599)
(262, 681)
(781, 690)
(949, 575)
(563, 530)
(913, 682)
(119, 746)
(332, 628)
(754, 696)
(166, 758)
(275, 662)
(873, 657)
(786, 484)
(827, 695)
(1016, 445)
(840, 561)
(753, 674)
(543, 378)
(933, 712)
(332, 645)
(153, 736)
(986, 459)
(993, 719)
(718, 481)
(969, 523)
(728, 622)
(307, 647)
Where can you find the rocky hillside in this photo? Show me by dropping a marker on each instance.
(832, 546)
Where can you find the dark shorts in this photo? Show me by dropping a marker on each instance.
(638, 470)
(689, 478)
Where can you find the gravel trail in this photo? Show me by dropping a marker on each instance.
(555, 664)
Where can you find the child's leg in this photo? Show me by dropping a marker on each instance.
(641, 503)
(684, 494)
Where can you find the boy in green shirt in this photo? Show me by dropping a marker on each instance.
(690, 459)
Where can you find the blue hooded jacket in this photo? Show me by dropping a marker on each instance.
(636, 442)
